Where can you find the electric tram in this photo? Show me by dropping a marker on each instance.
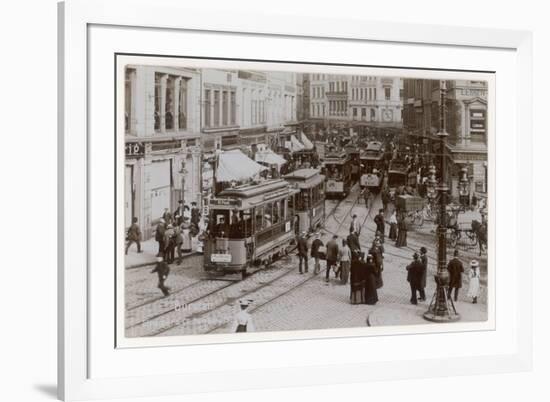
(397, 176)
(338, 172)
(249, 226)
(372, 162)
(309, 204)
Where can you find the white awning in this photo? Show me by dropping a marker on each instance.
(307, 143)
(295, 144)
(269, 157)
(234, 165)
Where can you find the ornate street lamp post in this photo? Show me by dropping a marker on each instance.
(464, 187)
(441, 308)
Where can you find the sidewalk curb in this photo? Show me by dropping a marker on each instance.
(153, 262)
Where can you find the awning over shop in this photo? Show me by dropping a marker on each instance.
(269, 157)
(235, 165)
(295, 145)
(307, 143)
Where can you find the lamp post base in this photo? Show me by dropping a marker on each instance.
(442, 309)
(448, 317)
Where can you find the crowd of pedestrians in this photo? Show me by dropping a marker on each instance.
(363, 270)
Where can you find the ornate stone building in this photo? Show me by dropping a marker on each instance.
(162, 141)
(466, 123)
(374, 101)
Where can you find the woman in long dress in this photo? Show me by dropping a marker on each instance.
(370, 293)
(473, 289)
(402, 232)
(393, 226)
(357, 295)
(377, 252)
(186, 246)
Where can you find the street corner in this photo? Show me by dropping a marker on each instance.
(410, 314)
(397, 314)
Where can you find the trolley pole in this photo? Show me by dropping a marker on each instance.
(442, 308)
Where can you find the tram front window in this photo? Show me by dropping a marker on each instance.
(220, 222)
(334, 172)
(236, 225)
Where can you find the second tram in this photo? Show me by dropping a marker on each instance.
(338, 171)
(372, 162)
(397, 176)
(309, 204)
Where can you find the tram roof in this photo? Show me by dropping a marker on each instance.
(253, 189)
(302, 174)
(305, 178)
(252, 195)
(336, 157)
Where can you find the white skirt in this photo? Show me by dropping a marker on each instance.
(473, 290)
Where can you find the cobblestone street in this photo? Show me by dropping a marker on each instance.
(285, 300)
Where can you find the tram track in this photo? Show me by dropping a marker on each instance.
(213, 311)
(176, 305)
(156, 299)
(227, 302)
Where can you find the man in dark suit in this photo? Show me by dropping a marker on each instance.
(133, 235)
(302, 252)
(414, 276)
(455, 269)
(162, 269)
(332, 256)
(315, 246)
(178, 213)
(380, 226)
(159, 236)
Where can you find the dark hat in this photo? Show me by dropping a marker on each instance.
(180, 202)
(423, 250)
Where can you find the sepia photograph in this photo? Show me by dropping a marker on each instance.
(306, 198)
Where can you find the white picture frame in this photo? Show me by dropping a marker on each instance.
(508, 346)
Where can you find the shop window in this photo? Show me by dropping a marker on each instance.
(216, 108)
(225, 108)
(207, 111)
(233, 108)
(157, 102)
(128, 99)
(169, 104)
(182, 105)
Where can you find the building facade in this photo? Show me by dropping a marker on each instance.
(466, 124)
(375, 101)
(162, 141)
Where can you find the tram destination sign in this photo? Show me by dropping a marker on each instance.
(220, 258)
